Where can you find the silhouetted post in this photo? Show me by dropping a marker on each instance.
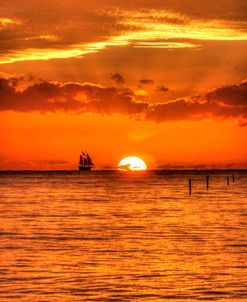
(207, 182)
(190, 186)
(233, 178)
(227, 179)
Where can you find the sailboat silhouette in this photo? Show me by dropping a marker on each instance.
(85, 162)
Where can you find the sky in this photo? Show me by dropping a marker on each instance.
(163, 80)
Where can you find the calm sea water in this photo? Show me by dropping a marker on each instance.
(117, 236)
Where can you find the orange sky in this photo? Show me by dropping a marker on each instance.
(163, 81)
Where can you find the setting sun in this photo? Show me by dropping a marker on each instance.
(132, 163)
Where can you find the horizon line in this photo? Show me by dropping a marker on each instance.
(121, 171)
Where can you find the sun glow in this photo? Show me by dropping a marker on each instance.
(132, 163)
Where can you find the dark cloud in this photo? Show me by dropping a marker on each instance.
(51, 96)
(54, 162)
(162, 88)
(232, 95)
(117, 78)
(146, 81)
(224, 102)
(181, 109)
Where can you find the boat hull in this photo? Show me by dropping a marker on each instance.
(83, 168)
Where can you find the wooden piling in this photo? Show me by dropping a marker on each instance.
(207, 182)
(190, 186)
(233, 178)
(227, 179)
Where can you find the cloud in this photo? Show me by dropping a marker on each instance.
(162, 88)
(46, 53)
(146, 81)
(117, 78)
(162, 25)
(223, 102)
(66, 31)
(77, 97)
(54, 162)
(165, 45)
(230, 96)
(5, 22)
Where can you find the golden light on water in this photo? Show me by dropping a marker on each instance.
(132, 163)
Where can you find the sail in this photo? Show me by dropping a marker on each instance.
(81, 162)
(85, 161)
(90, 162)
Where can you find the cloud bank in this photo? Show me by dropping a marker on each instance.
(24, 93)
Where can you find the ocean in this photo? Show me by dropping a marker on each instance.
(123, 236)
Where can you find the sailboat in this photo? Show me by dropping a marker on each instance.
(85, 162)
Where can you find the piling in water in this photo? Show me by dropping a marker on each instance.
(207, 182)
(233, 178)
(227, 179)
(190, 186)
